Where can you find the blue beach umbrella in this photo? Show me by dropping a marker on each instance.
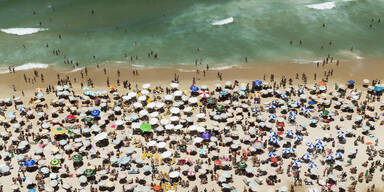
(223, 92)
(257, 83)
(351, 82)
(318, 141)
(272, 107)
(300, 90)
(284, 96)
(292, 117)
(292, 113)
(95, 113)
(29, 163)
(21, 109)
(378, 89)
(311, 103)
(303, 108)
(194, 88)
(292, 150)
(272, 116)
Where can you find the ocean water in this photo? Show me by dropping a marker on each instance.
(224, 31)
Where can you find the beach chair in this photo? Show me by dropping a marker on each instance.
(163, 186)
(143, 155)
(149, 155)
(174, 187)
(172, 161)
(168, 187)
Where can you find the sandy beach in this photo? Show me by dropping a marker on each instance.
(340, 160)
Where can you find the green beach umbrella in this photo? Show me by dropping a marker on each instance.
(211, 100)
(145, 127)
(89, 172)
(241, 165)
(219, 107)
(55, 163)
(325, 112)
(77, 158)
(88, 119)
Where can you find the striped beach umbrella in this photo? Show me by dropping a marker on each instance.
(307, 156)
(55, 163)
(339, 155)
(292, 117)
(273, 133)
(297, 138)
(292, 150)
(258, 145)
(308, 110)
(303, 108)
(21, 108)
(285, 151)
(329, 157)
(95, 113)
(272, 116)
(204, 93)
(312, 165)
(301, 91)
(296, 163)
(284, 96)
(272, 107)
(77, 158)
(292, 113)
(290, 133)
(318, 141)
(272, 154)
(319, 146)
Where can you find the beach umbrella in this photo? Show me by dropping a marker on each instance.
(204, 93)
(21, 108)
(272, 154)
(194, 88)
(272, 116)
(89, 172)
(205, 135)
(325, 112)
(289, 132)
(100, 136)
(297, 138)
(224, 92)
(292, 117)
(145, 127)
(310, 145)
(319, 146)
(329, 157)
(307, 156)
(219, 107)
(312, 165)
(77, 158)
(241, 165)
(29, 163)
(296, 163)
(318, 141)
(351, 82)
(311, 103)
(174, 174)
(339, 155)
(95, 113)
(378, 89)
(157, 188)
(59, 131)
(258, 145)
(55, 163)
(257, 83)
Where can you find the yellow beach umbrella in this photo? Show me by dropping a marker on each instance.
(59, 131)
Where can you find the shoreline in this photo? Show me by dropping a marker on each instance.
(357, 70)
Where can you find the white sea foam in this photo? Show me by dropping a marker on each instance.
(27, 66)
(306, 61)
(22, 31)
(223, 22)
(138, 66)
(77, 69)
(322, 6)
(223, 67)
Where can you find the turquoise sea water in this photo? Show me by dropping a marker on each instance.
(261, 30)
